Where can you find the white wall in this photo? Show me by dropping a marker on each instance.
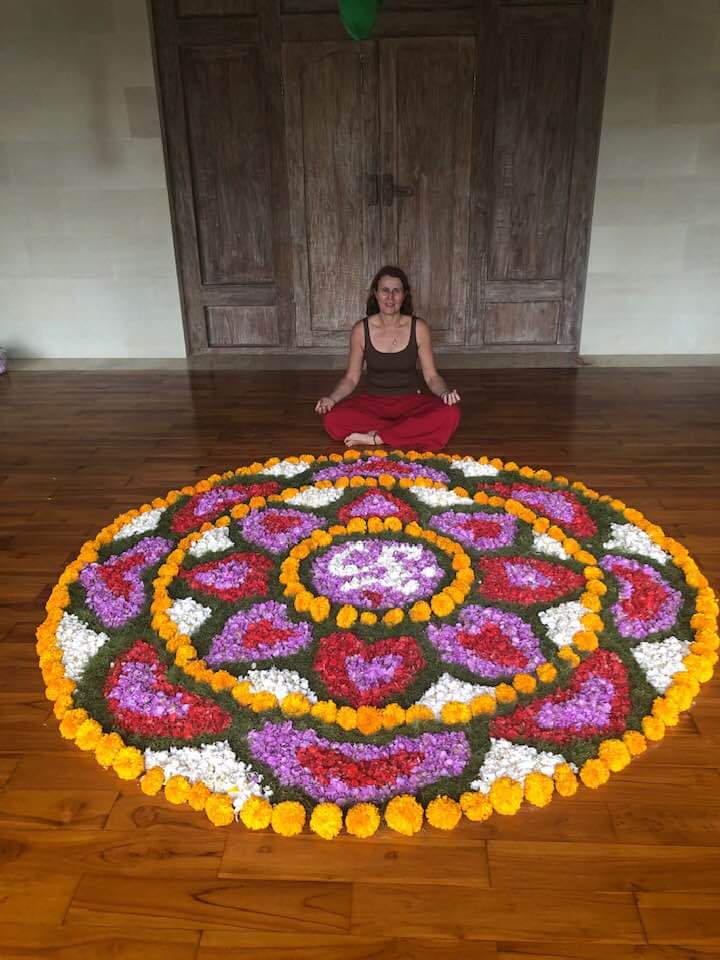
(86, 261)
(86, 258)
(654, 271)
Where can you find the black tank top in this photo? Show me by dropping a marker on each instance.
(391, 373)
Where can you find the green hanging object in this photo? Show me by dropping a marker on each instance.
(358, 16)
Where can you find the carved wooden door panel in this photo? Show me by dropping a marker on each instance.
(378, 143)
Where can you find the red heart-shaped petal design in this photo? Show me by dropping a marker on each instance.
(525, 580)
(142, 700)
(232, 577)
(367, 674)
(596, 702)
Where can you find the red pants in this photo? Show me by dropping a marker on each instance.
(412, 421)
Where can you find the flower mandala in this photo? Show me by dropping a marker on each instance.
(342, 639)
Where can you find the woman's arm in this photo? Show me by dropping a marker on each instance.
(435, 382)
(350, 379)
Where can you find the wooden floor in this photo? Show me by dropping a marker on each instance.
(89, 867)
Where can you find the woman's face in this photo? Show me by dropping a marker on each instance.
(390, 294)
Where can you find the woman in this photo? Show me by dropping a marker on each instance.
(392, 410)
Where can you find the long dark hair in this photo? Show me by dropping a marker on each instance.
(397, 274)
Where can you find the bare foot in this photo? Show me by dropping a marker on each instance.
(355, 439)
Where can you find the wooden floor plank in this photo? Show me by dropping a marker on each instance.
(80, 448)
(420, 912)
(602, 866)
(195, 904)
(82, 942)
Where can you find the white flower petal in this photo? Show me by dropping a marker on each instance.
(449, 689)
(439, 498)
(216, 765)
(563, 622)
(473, 468)
(314, 498)
(212, 541)
(514, 760)
(280, 682)
(659, 661)
(78, 643)
(628, 538)
(286, 469)
(188, 615)
(542, 543)
(142, 523)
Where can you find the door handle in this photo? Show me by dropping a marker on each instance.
(390, 190)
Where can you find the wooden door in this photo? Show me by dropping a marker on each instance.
(378, 142)
(333, 157)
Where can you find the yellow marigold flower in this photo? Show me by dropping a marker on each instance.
(592, 622)
(385, 480)
(288, 818)
(404, 815)
(262, 701)
(326, 820)
(185, 654)
(393, 617)
(61, 706)
(393, 523)
(256, 813)
(541, 525)
(320, 609)
(700, 621)
(71, 723)
(369, 720)
(483, 703)
(597, 587)
(594, 773)
(356, 525)
(506, 796)
(614, 754)
(679, 696)
(368, 619)
(324, 710)
(219, 810)
(58, 688)
(465, 575)
(475, 806)
(242, 693)
(222, 680)
(362, 820)
(375, 525)
(88, 734)
(592, 572)
(151, 782)
(665, 711)
(698, 667)
(460, 561)
(128, 763)
(441, 604)
(524, 683)
(504, 693)
(546, 673)
(177, 789)
(393, 715)
(418, 713)
(347, 718)
(357, 482)
(295, 705)
(635, 742)
(565, 780)
(511, 465)
(543, 475)
(539, 789)
(571, 546)
(568, 654)
(443, 813)
(585, 640)
(455, 593)
(302, 601)
(481, 497)
(108, 748)
(198, 796)
(454, 712)
(590, 601)
(420, 611)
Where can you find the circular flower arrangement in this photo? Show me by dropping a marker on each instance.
(348, 639)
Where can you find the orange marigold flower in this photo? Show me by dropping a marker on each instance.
(441, 604)
(420, 612)
(362, 820)
(369, 720)
(256, 813)
(128, 763)
(346, 617)
(288, 818)
(546, 673)
(219, 810)
(454, 712)
(71, 723)
(326, 820)
(524, 683)
(443, 813)
(475, 806)
(325, 710)
(295, 705)
(594, 773)
(177, 789)
(108, 748)
(565, 780)
(393, 617)
(347, 718)
(539, 789)
(505, 693)
(393, 715)
(506, 796)
(483, 703)
(635, 742)
(198, 796)
(615, 754)
(418, 713)
(88, 734)
(404, 815)
(151, 782)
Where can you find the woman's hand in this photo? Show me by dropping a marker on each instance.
(324, 405)
(450, 397)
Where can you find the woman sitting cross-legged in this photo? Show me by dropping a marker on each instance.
(391, 409)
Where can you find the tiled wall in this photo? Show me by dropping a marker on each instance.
(86, 261)
(654, 273)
